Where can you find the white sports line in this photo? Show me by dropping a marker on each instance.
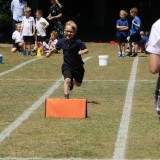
(19, 66)
(121, 141)
(120, 146)
(7, 131)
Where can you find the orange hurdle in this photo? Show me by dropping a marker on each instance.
(66, 108)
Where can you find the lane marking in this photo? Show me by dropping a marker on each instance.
(120, 145)
(19, 66)
(87, 80)
(7, 131)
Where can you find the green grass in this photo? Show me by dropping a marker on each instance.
(105, 90)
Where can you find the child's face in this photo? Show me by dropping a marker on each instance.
(69, 33)
(27, 14)
(122, 16)
(52, 37)
(38, 15)
(19, 28)
(133, 14)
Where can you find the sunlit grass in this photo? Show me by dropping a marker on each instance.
(105, 90)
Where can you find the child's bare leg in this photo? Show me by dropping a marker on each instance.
(67, 83)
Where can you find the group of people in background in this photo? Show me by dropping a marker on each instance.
(137, 40)
(27, 29)
(61, 38)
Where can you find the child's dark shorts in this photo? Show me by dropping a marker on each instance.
(121, 39)
(135, 37)
(41, 39)
(77, 73)
(28, 39)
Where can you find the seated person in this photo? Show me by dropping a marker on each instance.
(18, 39)
(52, 41)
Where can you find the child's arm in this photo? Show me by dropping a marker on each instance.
(54, 50)
(84, 51)
(34, 28)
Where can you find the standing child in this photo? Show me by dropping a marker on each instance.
(17, 38)
(73, 49)
(41, 25)
(135, 36)
(122, 32)
(28, 30)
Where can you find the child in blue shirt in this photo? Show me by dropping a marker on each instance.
(122, 32)
(135, 36)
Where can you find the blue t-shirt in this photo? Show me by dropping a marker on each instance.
(135, 29)
(70, 49)
(121, 22)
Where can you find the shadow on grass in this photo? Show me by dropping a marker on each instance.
(93, 102)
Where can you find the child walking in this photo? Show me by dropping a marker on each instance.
(73, 49)
(17, 38)
(27, 30)
(135, 36)
(122, 32)
(41, 25)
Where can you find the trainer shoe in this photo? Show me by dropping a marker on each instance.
(24, 53)
(129, 54)
(123, 54)
(134, 55)
(29, 53)
(119, 54)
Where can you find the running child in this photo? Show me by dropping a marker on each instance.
(73, 49)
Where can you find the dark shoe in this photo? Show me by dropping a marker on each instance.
(134, 55)
(29, 53)
(129, 54)
(66, 96)
(24, 53)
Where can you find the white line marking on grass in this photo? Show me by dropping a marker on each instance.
(52, 159)
(120, 145)
(87, 80)
(7, 131)
(19, 66)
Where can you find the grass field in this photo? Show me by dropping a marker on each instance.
(105, 89)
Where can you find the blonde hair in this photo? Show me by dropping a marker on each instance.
(39, 12)
(72, 24)
(134, 10)
(27, 9)
(55, 33)
(124, 12)
(17, 25)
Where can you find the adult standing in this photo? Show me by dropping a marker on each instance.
(17, 9)
(55, 16)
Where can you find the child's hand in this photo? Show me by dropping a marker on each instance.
(80, 52)
(48, 55)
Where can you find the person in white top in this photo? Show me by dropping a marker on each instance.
(28, 30)
(52, 41)
(41, 25)
(153, 47)
(17, 10)
(17, 38)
